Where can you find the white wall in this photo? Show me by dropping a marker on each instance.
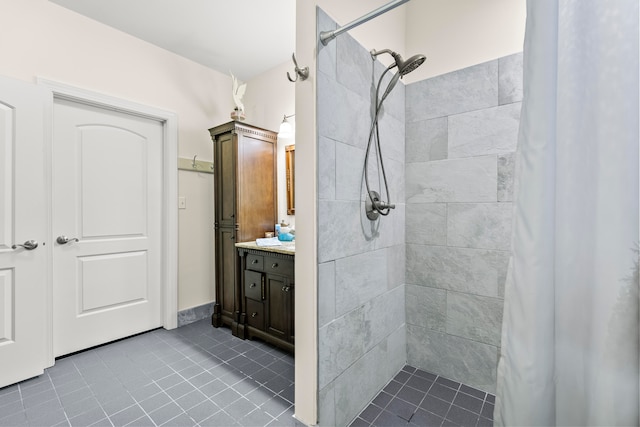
(455, 34)
(44, 39)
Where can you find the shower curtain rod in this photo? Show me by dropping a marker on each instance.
(327, 36)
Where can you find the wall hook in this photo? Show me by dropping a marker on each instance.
(194, 164)
(303, 73)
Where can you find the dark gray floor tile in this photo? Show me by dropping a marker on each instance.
(491, 398)
(11, 408)
(425, 374)
(479, 394)
(275, 406)
(225, 398)
(451, 384)
(393, 387)
(444, 393)
(462, 417)
(36, 388)
(41, 411)
(144, 421)
(179, 390)
(154, 402)
(118, 404)
(191, 372)
(411, 395)
(468, 402)
(70, 386)
(259, 395)
(257, 418)
(182, 420)
(10, 395)
(359, 422)
(263, 375)
(484, 422)
(388, 419)
(160, 373)
(165, 413)
(401, 408)
(213, 388)
(145, 391)
(105, 422)
(201, 379)
(15, 419)
(240, 408)
(382, 399)
(221, 419)
(402, 377)
(38, 399)
(288, 393)
(87, 418)
(419, 383)
(277, 384)
(50, 418)
(73, 409)
(203, 410)
(487, 410)
(370, 413)
(245, 386)
(423, 418)
(169, 381)
(127, 416)
(435, 405)
(191, 399)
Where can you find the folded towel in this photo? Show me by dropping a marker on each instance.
(270, 241)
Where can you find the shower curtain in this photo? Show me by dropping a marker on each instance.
(570, 331)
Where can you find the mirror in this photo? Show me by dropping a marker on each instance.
(290, 160)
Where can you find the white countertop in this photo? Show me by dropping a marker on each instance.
(287, 248)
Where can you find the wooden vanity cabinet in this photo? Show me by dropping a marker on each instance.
(268, 297)
(245, 206)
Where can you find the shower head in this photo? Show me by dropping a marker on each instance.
(404, 67)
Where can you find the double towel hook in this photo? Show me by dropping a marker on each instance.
(303, 73)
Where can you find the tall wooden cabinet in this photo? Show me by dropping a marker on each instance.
(245, 205)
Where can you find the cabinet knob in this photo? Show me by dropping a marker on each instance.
(285, 288)
(255, 261)
(254, 314)
(253, 285)
(274, 265)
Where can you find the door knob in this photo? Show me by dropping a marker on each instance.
(28, 245)
(63, 240)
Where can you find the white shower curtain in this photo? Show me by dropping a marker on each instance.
(571, 328)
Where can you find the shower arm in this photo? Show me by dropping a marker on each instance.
(327, 36)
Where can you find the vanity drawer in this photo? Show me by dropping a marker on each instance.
(280, 266)
(253, 285)
(255, 262)
(255, 314)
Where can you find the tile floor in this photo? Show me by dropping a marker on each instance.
(418, 398)
(202, 376)
(195, 375)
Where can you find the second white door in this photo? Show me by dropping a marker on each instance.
(107, 219)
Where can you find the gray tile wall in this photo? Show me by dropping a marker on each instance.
(461, 131)
(361, 301)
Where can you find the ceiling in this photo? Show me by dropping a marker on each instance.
(246, 37)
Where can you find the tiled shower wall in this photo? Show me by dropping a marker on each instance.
(461, 135)
(361, 314)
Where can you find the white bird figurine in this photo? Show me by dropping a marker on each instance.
(238, 92)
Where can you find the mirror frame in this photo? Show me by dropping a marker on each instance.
(290, 160)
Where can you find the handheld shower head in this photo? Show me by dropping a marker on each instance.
(404, 67)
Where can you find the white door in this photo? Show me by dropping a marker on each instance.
(107, 217)
(23, 217)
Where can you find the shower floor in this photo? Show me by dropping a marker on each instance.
(418, 398)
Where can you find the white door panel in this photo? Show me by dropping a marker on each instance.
(107, 184)
(23, 216)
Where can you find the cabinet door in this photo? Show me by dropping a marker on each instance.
(226, 271)
(225, 165)
(279, 322)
